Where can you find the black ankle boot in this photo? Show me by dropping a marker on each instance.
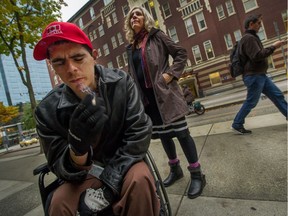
(197, 183)
(175, 174)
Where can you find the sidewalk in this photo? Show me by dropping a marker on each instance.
(246, 174)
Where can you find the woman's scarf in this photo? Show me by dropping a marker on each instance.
(139, 37)
(143, 36)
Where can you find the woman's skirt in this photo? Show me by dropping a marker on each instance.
(178, 128)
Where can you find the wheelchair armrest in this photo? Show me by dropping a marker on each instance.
(43, 168)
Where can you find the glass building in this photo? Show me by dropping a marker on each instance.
(12, 90)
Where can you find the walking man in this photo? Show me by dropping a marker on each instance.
(255, 70)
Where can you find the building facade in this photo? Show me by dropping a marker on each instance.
(206, 28)
(12, 90)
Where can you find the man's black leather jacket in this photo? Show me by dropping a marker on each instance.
(125, 139)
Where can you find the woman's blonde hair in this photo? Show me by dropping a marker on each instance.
(149, 23)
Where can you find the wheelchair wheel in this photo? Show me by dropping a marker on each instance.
(201, 110)
(165, 207)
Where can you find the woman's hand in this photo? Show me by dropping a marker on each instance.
(167, 77)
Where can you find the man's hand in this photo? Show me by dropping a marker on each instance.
(86, 124)
(95, 200)
(278, 44)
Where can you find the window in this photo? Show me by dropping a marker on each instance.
(94, 34)
(173, 34)
(166, 10)
(106, 49)
(101, 30)
(92, 13)
(114, 42)
(220, 12)
(208, 49)
(110, 64)
(183, 3)
(237, 35)
(114, 17)
(120, 38)
(215, 78)
(120, 61)
(108, 21)
(125, 58)
(230, 7)
(249, 5)
(285, 19)
(189, 27)
(106, 2)
(125, 10)
(191, 7)
(197, 54)
(99, 52)
(228, 41)
(91, 36)
(80, 23)
(201, 21)
(261, 33)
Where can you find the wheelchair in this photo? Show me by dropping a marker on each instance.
(46, 189)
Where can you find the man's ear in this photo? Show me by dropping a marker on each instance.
(94, 54)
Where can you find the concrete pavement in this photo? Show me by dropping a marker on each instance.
(246, 174)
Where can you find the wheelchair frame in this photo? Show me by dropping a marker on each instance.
(43, 170)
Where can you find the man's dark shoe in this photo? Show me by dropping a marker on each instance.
(242, 130)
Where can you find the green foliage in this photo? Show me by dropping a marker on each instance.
(7, 113)
(22, 22)
(27, 117)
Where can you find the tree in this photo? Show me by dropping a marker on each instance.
(22, 23)
(7, 113)
(27, 117)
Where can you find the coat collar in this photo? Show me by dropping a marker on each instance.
(151, 33)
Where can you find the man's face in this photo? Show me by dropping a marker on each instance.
(75, 66)
(255, 26)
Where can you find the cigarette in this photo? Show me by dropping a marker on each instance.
(85, 89)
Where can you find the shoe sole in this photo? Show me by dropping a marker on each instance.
(239, 131)
(174, 181)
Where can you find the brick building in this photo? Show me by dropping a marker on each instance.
(206, 28)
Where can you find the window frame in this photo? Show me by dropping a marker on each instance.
(228, 41)
(245, 2)
(197, 54)
(220, 12)
(106, 49)
(205, 43)
(230, 13)
(190, 26)
(197, 16)
(174, 35)
(166, 9)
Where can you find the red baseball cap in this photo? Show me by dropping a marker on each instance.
(56, 31)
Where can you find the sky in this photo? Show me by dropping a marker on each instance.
(72, 8)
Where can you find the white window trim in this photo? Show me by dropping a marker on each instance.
(251, 9)
(208, 58)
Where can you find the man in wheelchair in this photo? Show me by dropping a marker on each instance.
(94, 132)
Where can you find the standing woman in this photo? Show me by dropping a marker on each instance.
(148, 59)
